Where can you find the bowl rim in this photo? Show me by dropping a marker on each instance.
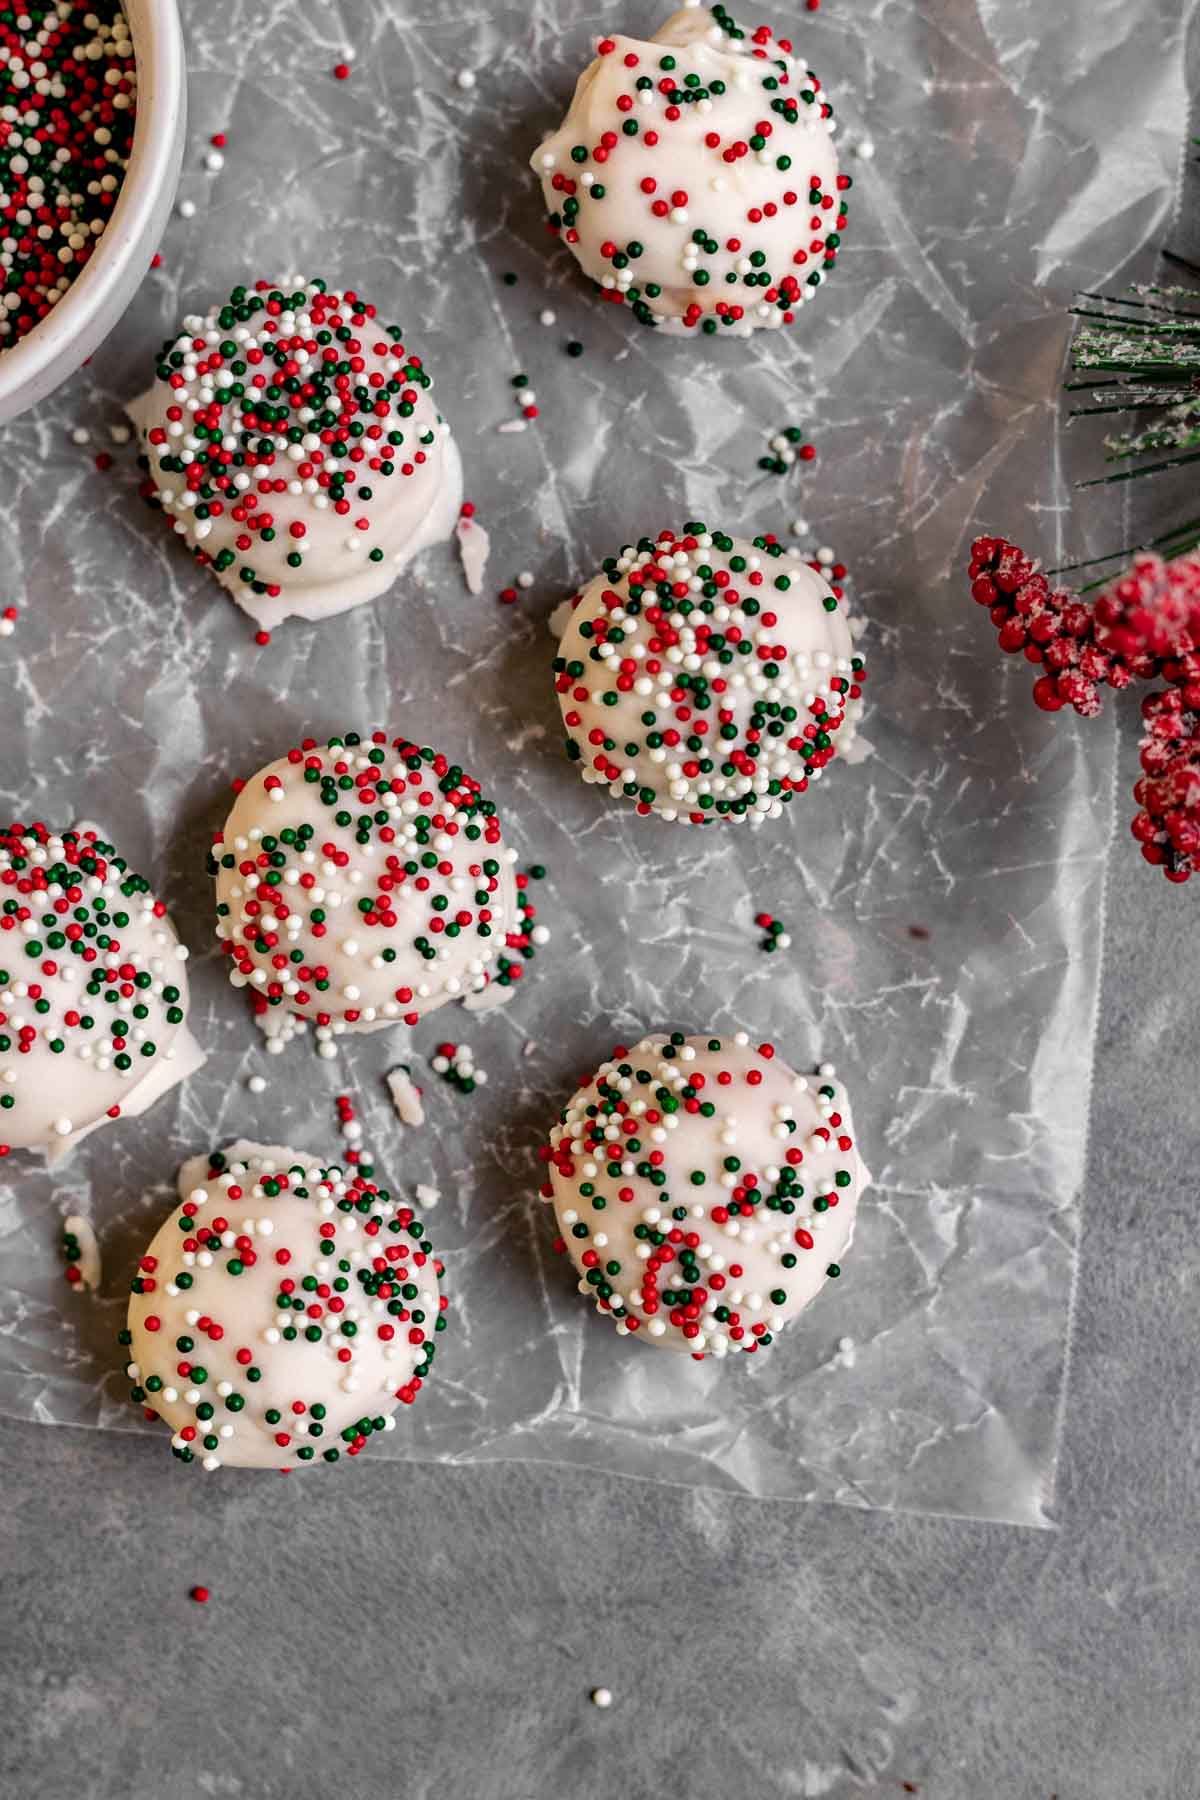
(157, 34)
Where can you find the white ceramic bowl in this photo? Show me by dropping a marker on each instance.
(87, 312)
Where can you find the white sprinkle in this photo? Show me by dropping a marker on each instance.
(187, 209)
(213, 161)
(466, 79)
(257, 1084)
(525, 579)
(120, 434)
(601, 1697)
(79, 435)
(865, 148)
(547, 317)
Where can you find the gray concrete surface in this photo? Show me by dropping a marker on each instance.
(420, 1633)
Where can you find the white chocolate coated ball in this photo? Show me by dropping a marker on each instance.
(295, 447)
(704, 677)
(282, 1312)
(361, 883)
(93, 990)
(694, 177)
(704, 1190)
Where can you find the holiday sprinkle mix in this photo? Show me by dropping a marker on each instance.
(68, 98)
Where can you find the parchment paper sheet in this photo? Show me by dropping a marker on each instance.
(932, 1376)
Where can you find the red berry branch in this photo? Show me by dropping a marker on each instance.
(1145, 626)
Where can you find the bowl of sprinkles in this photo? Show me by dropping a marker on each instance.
(92, 112)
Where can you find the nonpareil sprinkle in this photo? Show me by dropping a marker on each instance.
(68, 101)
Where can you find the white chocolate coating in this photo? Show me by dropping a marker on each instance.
(437, 873)
(705, 1233)
(93, 991)
(340, 460)
(707, 678)
(723, 212)
(320, 1338)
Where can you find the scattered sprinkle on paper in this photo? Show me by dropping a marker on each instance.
(82, 1251)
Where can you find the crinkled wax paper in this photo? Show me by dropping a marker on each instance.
(944, 898)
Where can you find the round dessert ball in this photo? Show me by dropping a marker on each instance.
(93, 990)
(703, 677)
(282, 1312)
(294, 445)
(705, 1191)
(694, 176)
(361, 883)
